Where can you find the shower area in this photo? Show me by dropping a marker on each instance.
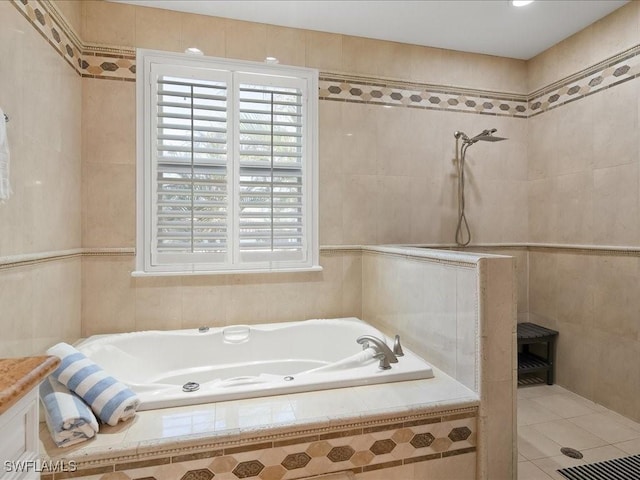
(584, 238)
(569, 217)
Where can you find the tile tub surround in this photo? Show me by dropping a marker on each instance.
(357, 219)
(489, 295)
(40, 303)
(114, 302)
(458, 311)
(362, 429)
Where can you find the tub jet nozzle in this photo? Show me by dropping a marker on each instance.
(190, 387)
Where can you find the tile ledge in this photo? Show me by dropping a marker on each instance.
(161, 448)
(438, 252)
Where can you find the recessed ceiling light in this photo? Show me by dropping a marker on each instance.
(520, 3)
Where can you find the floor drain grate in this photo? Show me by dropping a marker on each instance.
(571, 452)
(626, 468)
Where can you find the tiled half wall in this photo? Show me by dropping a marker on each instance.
(118, 63)
(358, 447)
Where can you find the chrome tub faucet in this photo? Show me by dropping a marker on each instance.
(383, 352)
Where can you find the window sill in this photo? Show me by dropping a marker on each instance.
(140, 273)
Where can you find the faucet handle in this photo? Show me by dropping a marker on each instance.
(384, 361)
(397, 348)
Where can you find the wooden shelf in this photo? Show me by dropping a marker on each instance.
(530, 363)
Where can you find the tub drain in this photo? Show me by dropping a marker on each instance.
(190, 387)
(571, 452)
(288, 378)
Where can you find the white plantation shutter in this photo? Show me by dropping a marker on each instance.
(271, 219)
(227, 167)
(191, 171)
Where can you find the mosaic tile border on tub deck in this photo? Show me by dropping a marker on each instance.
(358, 448)
(118, 63)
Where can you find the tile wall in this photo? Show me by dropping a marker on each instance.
(432, 305)
(584, 189)
(593, 300)
(371, 157)
(39, 302)
(113, 301)
(569, 173)
(368, 152)
(605, 38)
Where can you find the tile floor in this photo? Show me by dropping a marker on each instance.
(551, 417)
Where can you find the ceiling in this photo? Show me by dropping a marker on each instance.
(492, 27)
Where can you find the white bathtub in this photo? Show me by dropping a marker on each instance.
(237, 362)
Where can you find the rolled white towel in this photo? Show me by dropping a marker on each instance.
(111, 400)
(68, 418)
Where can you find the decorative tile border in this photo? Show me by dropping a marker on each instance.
(606, 74)
(356, 448)
(118, 63)
(50, 24)
(108, 66)
(93, 61)
(424, 96)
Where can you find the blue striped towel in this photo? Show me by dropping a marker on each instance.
(69, 419)
(111, 400)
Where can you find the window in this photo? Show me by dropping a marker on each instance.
(227, 169)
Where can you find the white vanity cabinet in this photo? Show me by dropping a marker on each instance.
(19, 439)
(19, 421)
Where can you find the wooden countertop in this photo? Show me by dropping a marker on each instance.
(19, 375)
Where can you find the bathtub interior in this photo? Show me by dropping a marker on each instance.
(242, 361)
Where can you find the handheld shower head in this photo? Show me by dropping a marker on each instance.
(490, 138)
(485, 136)
(463, 232)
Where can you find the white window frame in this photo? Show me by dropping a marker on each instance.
(146, 261)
